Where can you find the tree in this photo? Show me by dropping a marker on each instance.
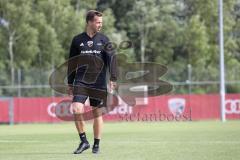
(19, 39)
(66, 23)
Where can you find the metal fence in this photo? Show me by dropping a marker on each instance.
(35, 83)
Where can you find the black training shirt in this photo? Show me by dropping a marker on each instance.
(95, 57)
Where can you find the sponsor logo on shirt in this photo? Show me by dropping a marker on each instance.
(91, 51)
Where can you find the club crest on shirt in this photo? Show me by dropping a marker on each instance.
(90, 43)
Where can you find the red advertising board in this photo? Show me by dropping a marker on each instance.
(4, 115)
(159, 108)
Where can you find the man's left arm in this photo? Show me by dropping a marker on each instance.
(112, 64)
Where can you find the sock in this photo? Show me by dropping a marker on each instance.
(96, 142)
(83, 137)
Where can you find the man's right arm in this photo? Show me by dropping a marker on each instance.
(71, 65)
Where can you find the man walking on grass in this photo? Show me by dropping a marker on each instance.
(90, 43)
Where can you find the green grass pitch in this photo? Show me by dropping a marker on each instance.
(208, 140)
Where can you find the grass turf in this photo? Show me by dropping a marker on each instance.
(124, 141)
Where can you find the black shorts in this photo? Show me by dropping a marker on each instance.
(93, 102)
(81, 93)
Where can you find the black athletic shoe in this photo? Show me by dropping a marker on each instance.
(95, 149)
(82, 147)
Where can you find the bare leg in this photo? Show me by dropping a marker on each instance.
(78, 109)
(97, 123)
(80, 124)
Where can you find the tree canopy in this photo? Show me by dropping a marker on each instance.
(35, 36)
